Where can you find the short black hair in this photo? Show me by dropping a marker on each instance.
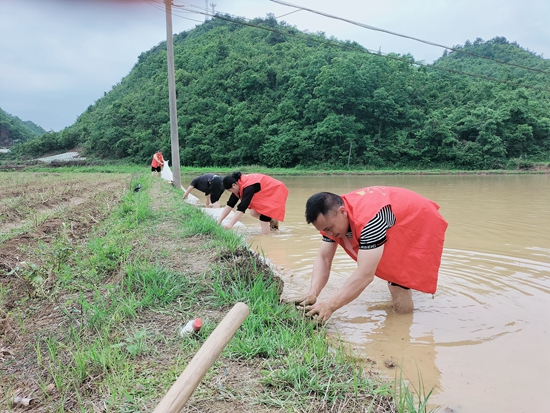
(321, 203)
(229, 180)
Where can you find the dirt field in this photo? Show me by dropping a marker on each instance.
(35, 207)
(40, 210)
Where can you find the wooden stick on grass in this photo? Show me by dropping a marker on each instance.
(174, 400)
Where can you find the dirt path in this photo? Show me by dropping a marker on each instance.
(63, 157)
(71, 206)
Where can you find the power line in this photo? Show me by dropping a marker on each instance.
(380, 54)
(158, 7)
(366, 26)
(286, 14)
(365, 50)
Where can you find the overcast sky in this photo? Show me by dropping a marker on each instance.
(57, 57)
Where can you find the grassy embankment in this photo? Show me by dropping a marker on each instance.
(89, 321)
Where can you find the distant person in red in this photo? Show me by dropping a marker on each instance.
(393, 233)
(263, 195)
(157, 163)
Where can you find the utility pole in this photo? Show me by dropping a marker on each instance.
(205, 11)
(172, 97)
(213, 8)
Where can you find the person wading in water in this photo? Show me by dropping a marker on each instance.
(263, 195)
(393, 233)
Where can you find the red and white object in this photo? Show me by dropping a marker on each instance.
(192, 327)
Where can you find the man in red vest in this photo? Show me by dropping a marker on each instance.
(393, 233)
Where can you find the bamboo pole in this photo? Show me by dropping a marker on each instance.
(174, 400)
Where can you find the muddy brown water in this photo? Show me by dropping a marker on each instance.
(483, 341)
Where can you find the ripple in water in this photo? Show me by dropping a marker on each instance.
(487, 319)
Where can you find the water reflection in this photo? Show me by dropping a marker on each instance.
(483, 340)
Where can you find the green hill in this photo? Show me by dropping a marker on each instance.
(13, 130)
(264, 93)
(499, 59)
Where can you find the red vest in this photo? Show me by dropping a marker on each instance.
(154, 162)
(412, 253)
(270, 200)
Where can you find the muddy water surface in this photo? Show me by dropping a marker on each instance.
(483, 340)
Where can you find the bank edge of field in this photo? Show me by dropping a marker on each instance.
(167, 262)
(513, 166)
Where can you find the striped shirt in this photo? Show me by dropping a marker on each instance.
(373, 234)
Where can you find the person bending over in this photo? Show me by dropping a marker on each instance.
(211, 185)
(262, 194)
(393, 233)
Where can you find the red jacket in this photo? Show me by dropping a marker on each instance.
(270, 200)
(412, 253)
(154, 162)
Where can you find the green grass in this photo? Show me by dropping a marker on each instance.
(512, 166)
(409, 398)
(110, 346)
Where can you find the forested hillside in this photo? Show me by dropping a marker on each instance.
(274, 96)
(13, 130)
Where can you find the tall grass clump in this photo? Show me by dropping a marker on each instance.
(152, 285)
(195, 222)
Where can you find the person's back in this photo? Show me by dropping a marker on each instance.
(412, 254)
(210, 184)
(263, 195)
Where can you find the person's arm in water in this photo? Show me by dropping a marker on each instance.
(321, 273)
(188, 191)
(231, 202)
(367, 261)
(225, 212)
(371, 247)
(212, 204)
(248, 193)
(236, 218)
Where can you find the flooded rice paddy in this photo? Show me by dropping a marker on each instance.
(483, 340)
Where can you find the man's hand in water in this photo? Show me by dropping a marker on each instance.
(302, 301)
(320, 312)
